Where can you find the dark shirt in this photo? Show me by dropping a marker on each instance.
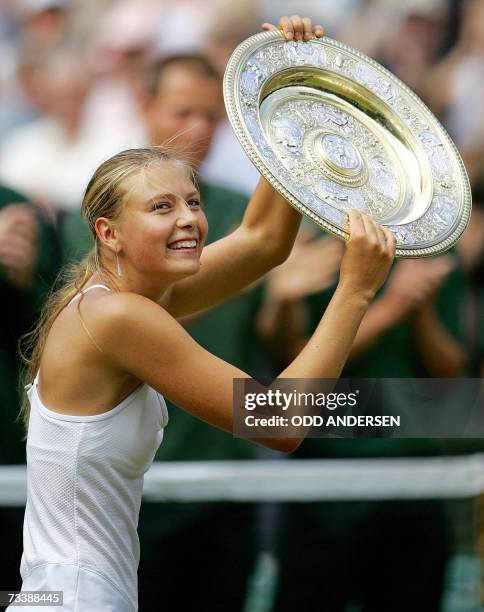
(20, 309)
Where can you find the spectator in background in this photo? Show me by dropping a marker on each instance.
(120, 52)
(414, 48)
(44, 24)
(32, 27)
(226, 163)
(184, 106)
(371, 25)
(29, 259)
(455, 88)
(52, 157)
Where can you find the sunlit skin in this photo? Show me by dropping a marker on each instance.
(161, 206)
(187, 107)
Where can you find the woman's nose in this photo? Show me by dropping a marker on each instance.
(186, 216)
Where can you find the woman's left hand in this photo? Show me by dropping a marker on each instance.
(296, 28)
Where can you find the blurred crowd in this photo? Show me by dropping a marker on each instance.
(80, 81)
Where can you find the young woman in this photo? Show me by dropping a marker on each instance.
(109, 347)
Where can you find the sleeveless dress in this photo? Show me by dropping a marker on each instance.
(84, 485)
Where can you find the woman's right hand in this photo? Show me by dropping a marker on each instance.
(368, 257)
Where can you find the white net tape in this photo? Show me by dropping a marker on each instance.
(294, 480)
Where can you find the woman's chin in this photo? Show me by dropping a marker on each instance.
(189, 268)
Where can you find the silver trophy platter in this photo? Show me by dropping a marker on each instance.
(333, 130)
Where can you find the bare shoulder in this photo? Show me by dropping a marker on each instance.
(122, 304)
(127, 314)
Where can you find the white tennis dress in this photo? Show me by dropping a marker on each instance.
(85, 479)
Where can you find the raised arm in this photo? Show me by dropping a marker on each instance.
(139, 337)
(263, 240)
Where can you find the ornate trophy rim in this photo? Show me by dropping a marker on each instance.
(237, 115)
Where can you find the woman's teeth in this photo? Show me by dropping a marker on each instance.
(183, 244)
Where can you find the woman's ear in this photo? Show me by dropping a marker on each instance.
(107, 233)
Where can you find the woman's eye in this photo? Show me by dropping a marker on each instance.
(161, 206)
(194, 203)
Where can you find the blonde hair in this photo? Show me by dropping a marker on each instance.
(104, 197)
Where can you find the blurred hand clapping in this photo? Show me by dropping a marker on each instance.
(414, 282)
(312, 267)
(18, 244)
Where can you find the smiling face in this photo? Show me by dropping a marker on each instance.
(161, 230)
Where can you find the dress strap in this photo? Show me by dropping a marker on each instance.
(98, 286)
(34, 382)
(83, 291)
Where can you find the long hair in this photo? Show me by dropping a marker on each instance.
(104, 197)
